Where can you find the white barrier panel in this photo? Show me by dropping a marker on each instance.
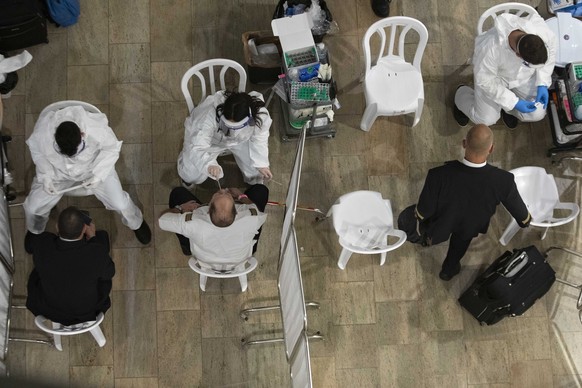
(291, 295)
(6, 272)
(301, 365)
(293, 190)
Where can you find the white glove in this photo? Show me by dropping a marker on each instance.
(215, 172)
(49, 187)
(91, 183)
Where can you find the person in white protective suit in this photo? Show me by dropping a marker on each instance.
(238, 122)
(513, 64)
(72, 147)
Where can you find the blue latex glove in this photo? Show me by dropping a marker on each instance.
(543, 95)
(525, 106)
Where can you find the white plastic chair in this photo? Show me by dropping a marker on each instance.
(393, 86)
(58, 330)
(223, 270)
(518, 9)
(540, 194)
(215, 68)
(76, 191)
(363, 222)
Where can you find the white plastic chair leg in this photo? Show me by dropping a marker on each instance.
(383, 258)
(203, 282)
(344, 258)
(243, 282)
(98, 335)
(418, 111)
(545, 233)
(510, 231)
(369, 116)
(57, 338)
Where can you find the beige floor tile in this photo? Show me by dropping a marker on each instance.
(41, 90)
(456, 380)
(388, 158)
(224, 351)
(360, 267)
(565, 348)
(89, 84)
(14, 114)
(167, 247)
(397, 279)
(179, 353)
(487, 362)
(165, 177)
(532, 374)
(88, 40)
(323, 372)
(266, 360)
(129, 63)
(134, 269)
(166, 81)
(398, 366)
(134, 334)
(49, 364)
(397, 323)
(130, 112)
(177, 289)
(220, 315)
(533, 343)
(462, 22)
(355, 346)
(212, 42)
(564, 381)
(353, 303)
(167, 130)
(129, 21)
(443, 352)
(171, 44)
(365, 377)
(137, 383)
(92, 376)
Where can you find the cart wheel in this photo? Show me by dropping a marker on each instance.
(284, 138)
(330, 136)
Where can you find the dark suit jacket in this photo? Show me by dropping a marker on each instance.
(460, 199)
(71, 280)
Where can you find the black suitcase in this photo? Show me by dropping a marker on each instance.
(509, 287)
(22, 24)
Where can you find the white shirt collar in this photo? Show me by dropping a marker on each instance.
(471, 164)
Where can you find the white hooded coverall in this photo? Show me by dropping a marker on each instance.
(96, 160)
(204, 142)
(501, 78)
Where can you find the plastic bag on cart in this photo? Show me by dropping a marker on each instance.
(320, 14)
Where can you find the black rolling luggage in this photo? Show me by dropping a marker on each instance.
(22, 24)
(509, 287)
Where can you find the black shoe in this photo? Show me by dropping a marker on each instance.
(446, 276)
(381, 8)
(510, 121)
(143, 233)
(186, 250)
(460, 117)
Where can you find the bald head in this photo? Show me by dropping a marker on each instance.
(221, 209)
(478, 143)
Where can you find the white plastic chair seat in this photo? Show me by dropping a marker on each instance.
(404, 82)
(223, 270)
(363, 222)
(58, 330)
(539, 192)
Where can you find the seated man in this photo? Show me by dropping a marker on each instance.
(221, 230)
(69, 147)
(513, 64)
(71, 279)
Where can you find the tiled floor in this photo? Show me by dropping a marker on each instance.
(391, 326)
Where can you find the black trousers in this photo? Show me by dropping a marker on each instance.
(457, 249)
(258, 194)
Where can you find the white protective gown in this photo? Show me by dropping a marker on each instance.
(211, 243)
(96, 160)
(203, 143)
(501, 77)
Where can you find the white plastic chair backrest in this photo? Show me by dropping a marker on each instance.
(362, 218)
(40, 321)
(399, 26)
(538, 190)
(220, 268)
(216, 68)
(518, 9)
(65, 104)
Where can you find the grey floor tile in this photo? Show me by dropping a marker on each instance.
(399, 367)
(129, 21)
(167, 130)
(130, 112)
(84, 350)
(88, 40)
(353, 303)
(224, 351)
(532, 374)
(355, 346)
(92, 376)
(148, 382)
(398, 323)
(487, 362)
(89, 84)
(129, 62)
(134, 269)
(177, 289)
(166, 81)
(364, 377)
(171, 44)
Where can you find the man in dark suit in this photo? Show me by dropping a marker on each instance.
(460, 197)
(72, 274)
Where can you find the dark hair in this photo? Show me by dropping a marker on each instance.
(68, 137)
(532, 49)
(221, 219)
(237, 105)
(71, 223)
